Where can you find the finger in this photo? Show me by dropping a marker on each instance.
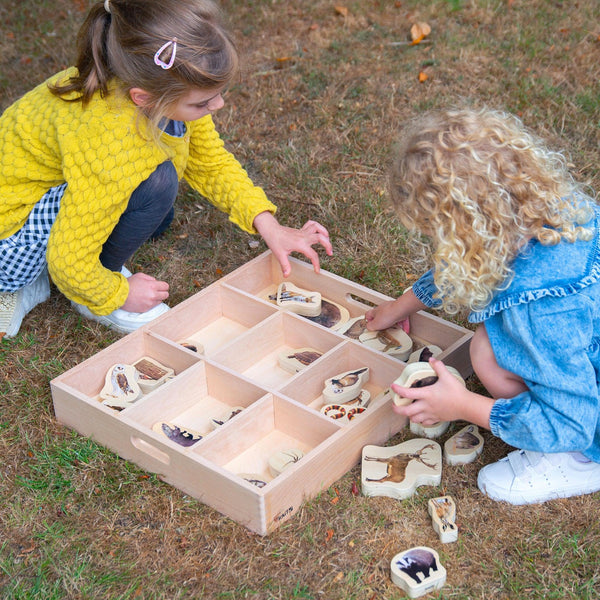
(326, 243)
(284, 263)
(314, 259)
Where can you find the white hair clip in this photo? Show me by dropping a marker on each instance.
(162, 63)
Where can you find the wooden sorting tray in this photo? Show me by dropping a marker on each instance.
(239, 334)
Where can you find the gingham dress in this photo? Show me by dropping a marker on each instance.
(23, 254)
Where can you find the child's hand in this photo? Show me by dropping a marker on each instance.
(284, 240)
(145, 292)
(442, 401)
(386, 315)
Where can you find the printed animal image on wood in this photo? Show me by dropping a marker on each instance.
(463, 447)
(418, 571)
(442, 511)
(298, 359)
(344, 413)
(121, 388)
(299, 301)
(393, 341)
(354, 328)
(429, 431)
(332, 315)
(397, 471)
(151, 373)
(424, 353)
(284, 459)
(345, 386)
(416, 375)
(180, 435)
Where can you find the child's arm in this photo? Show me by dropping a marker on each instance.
(284, 240)
(393, 311)
(445, 400)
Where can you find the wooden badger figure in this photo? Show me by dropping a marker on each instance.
(417, 561)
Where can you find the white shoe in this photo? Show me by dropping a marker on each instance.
(122, 320)
(15, 305)
(525, 477)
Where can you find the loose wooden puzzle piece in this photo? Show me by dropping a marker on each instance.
(424, 354)
(256, 479)
(393, 341)
(463, 447)
(284, 459)
(418, 571)
(226, 416)
(151, 373)
(419, 374)
(192, 345)
(333, 315)
(183, 436)
(350, 410)
(299, 359)
(297, 300)
(397, 471)
(443, 516)
(345, 387)
(121, 388)
(354, 328)
(429, 431)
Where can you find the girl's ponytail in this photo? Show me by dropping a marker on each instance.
(93, 68)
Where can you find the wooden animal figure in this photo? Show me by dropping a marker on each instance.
(407, 466)
(192, 345)
(121, 388)
(419, 374)
(151, 373)
(182, 436)
(344, 413)
(418, 571)
(463, 447)
(429, 431)
(345, 387)
(283, 459)
(297, 300)
(255, 479)
(424, 354)
(354, 328)
(393, 341)
(332, 315)
(443, 516)
(298, 359)
(226, 416)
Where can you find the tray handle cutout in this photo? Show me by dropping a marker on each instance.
(150, 450)
(359, 301)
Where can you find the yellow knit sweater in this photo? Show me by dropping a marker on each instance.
(103, 155)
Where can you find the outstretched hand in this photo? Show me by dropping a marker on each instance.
(284, 240)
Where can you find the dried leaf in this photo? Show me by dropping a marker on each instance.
(219, 272)
(282, 59)
(329, 535)
(423, 76)
(355, 490)
(338, 577)
(197, 283)
(419, 31)
(335, 500)
(341, 10)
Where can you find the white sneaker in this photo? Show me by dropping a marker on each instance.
(525, 477)
(15, 305)
(122, 320)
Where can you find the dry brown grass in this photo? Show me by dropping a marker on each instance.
(313, 118)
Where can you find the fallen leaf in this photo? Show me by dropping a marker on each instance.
(341, 10)
(355, 490)
(335, 500)
(329, 535)
(423, 76)
(197, 283)
(419, 31)
(219, 272)
(282, 59)
(338, 577)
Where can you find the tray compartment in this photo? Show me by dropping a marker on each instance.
(216, 316)
(256, 353)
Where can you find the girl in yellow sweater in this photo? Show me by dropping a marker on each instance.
(91, 159)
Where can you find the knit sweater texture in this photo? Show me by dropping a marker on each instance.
(103, 151)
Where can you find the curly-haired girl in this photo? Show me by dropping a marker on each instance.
(90, 162)
(517, 243)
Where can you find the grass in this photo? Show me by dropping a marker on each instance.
(313, 119)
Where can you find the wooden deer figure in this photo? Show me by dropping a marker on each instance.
(396, 465)
(400, 480)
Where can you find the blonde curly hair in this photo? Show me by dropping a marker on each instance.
(480, 186)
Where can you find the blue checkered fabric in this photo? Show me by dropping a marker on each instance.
(23, 254)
